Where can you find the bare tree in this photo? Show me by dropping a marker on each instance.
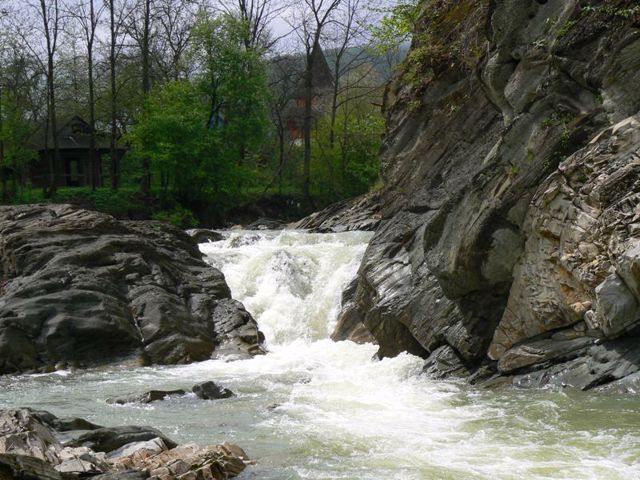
(48, 14)
(88, 17)
(175, 20)
(139, 27)
(312, 20)
(352, 62)
(283, 83)
(118, 14)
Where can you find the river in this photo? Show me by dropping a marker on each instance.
(315, 409)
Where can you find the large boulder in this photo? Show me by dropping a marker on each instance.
(82, 288)
(510, 225)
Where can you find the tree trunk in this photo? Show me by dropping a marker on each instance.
(306, 128)
(93, 161)
(3, 169)
(146, 87)
(113, 153)
(51, 41)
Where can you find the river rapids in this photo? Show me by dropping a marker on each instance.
(315, 409)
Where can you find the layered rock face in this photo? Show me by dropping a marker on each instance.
(510, 234)
(82, 288)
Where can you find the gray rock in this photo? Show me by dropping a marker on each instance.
(20, 467)
(147, 397)
(211, 391)
(236, 333)
(541, 351)
(627, 385)
(109, 439)
(266, 224)
(444, 362)
(29, 450)
(601, 364)
(628, 269)
(130, 475)
(82, 288)
(617, 309)
(153, 446)
(510, 187)
(203, 235)
(361, 213)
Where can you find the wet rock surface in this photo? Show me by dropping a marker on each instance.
(82, 288)
(31, 449)
(361, 213)
(147, 397)
(211, 391)
(510, 225)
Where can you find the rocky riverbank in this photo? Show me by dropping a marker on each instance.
(81, 288)
(36, 445)
(508, 246)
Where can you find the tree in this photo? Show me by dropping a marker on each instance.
(88, 18)
(140, 30)
(235, 80)
(175, 19)
(117, 18)
(313, 18)
(283, 82)
(353, 65)
(172, 132)
(48, 14)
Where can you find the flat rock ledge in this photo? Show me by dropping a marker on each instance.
(80, 288)
(36, 445)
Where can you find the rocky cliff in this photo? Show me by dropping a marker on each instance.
(509, 245)
(81, 288)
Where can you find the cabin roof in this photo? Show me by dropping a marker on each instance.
(73, 134)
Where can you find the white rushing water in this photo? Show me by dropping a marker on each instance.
(316, 409)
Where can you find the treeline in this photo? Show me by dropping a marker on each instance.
(216, 102)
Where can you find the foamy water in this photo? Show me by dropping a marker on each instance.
(316, 409)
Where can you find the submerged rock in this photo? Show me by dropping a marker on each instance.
(147, 397)
(30, 450)
(211, 391)
(83, 288)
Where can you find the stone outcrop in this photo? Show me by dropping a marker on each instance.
(361, 213)
(510, 234)
(82, 288)
(32, 448)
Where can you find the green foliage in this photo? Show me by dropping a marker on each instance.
(447, 35)
(185, 154)
(14, 134)
(235, 80)
(396, 25)
(351, 166)
(179, 216)
(566, 28)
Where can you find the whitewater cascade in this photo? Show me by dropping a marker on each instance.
(316, 409)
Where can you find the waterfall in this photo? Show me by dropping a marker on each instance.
(290, 281)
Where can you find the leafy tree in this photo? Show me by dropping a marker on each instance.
(173, 133)
(233, 76)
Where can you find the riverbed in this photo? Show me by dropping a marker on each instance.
(316, 409)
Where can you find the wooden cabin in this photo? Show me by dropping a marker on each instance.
(75, 160)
